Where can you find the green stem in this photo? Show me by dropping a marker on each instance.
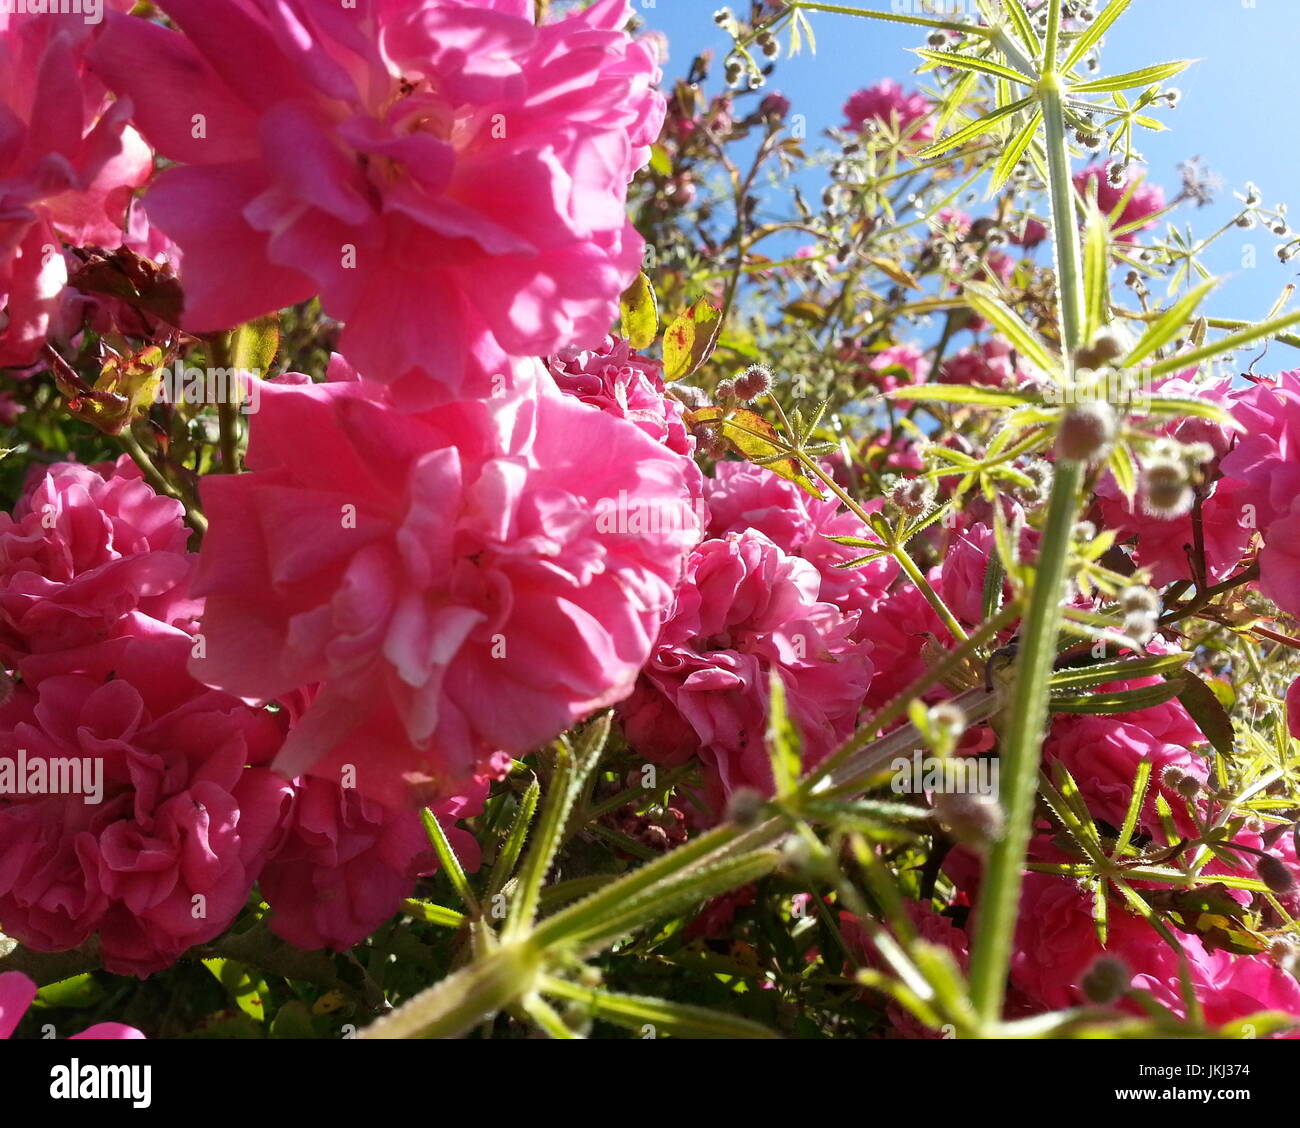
(1027, 713)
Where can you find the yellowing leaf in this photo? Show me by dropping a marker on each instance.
(690, 340)
(754, 438)
(640, 313)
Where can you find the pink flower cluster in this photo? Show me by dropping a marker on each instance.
(887, 103)
(449, 177)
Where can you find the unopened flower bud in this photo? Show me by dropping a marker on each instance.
(1274, 873)
(1106, 981)
(972, 819)
(725, 391)
(744, 807)
(1285, 953)
(1172, 776)
(915, 496)
(1166, 489)
(1087, 430)
(754, 382)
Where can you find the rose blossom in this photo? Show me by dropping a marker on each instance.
(887, 102)
(746, 610)
(473, 579)
(70, 164)
(449, 177)
(84, 547)
(1145, 203)
(346, 862)
(164, 858)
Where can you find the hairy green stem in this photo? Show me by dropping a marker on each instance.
(1028, 709)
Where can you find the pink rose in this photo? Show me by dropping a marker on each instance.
(378, 154)
(471, 579)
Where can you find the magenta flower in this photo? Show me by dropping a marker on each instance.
(744, 496)
(68, 166)
(17, 993)
(84, 547)
(1145, 202)
(616, 379)
(888, 103)
(472, 579)
(1262, 472)
(746, 610)
(1056, 946)
(156, 846)
(449, 177)
(346, 862)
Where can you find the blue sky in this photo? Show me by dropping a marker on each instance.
(1244, 88)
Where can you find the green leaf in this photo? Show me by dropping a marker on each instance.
(293, 1020)
(783, 744)
(1140, 780)
(1124, 467)
(448, 860)
(1247, 336)
(975, 129)
(1168, 325)
(754, 438)
(573, 766)
(1012, 153)
(959, 393)
(640, 313)
(1096, 269)
(513, 846)
(690, 340)
(1208, 713)
(1024, 27)
(1123, 669)
(967, 62)
(1147, 76)
(243, 985)
(253, 346)
(1095, 30)
(1118, 701)
(990, 307)
(76, 991)
(430, 913)
(635, 1012)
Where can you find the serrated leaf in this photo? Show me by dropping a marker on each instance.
(639, 313)
(1096, 269)
(1147, 76)
(1093, 34)
(1122, 669)
(783, 743)
(989, 306)
(975, 129)
(959, 393)
(1124, 469)
(754, 438)
(1012, 153)
(690, 340)
(1117, 701)
(968, 62)
(1247, 336)
(1168, 325)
